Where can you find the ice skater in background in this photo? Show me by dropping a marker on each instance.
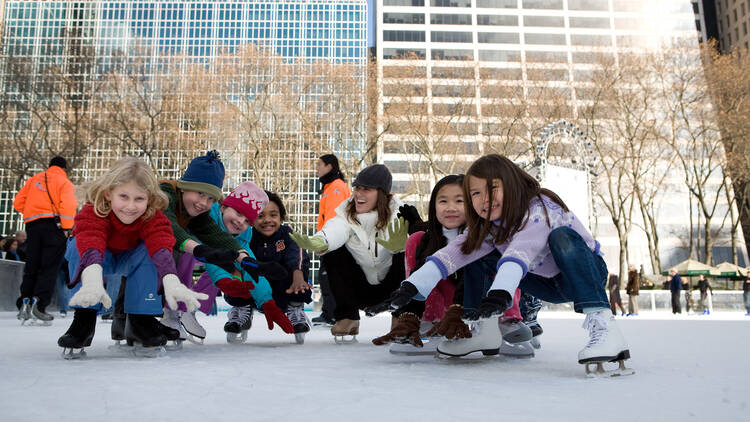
(362, 249)
(122, 232)
(460, 291)
(271, 243)
(546, 251)
(244, 286)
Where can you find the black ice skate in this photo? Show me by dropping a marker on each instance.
(606, 344)
(38, 316)
(240, 319)
(24, 313)
(536, 331)
(143, 332)
(297, 316)
(79, 335)
(174, 342)
(118, 321)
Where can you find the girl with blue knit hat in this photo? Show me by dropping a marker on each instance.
(197, 236)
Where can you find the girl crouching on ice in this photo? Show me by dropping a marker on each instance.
(546, 251)
(122, 232)
(466, 287)
(363, 247)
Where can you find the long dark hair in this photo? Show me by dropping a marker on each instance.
(519, 188)
(382, 206)
(333, 161)
(433, 238)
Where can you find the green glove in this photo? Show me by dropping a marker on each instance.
(311, 243)
(398, 232)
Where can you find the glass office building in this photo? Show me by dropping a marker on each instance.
(80, 57)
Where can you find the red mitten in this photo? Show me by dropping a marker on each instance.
(234, 287)
(274, 314)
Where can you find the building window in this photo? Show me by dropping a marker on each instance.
(453, 72)
(497, 4)
(546, 57)
(591, 40)
(450, 3)
(499, 56)
(545, 39)
(415, 36)
(403, 2)
(588, 5)
(445, 36)
(498, 37)
(452, 19)
(452, 54)
(576, 22)
(548, 21)
(542, 4)
(403, 53)
(497, 20)
(411, 18)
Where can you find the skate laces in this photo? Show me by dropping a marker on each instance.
(596, 323)
(240, 314)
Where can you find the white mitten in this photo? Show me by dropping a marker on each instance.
(92, 289)
(174, 292)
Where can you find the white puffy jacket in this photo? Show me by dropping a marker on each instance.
(359, 239)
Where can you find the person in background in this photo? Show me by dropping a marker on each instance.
(10, 247)
(746, 292)
(675, 285)
(21, 237)
(704, 286)
(632, 289)
(614, 294)
(48, 204)
(334, 192)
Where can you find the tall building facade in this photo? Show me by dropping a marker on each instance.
(733, 18)
(457, 68)
(259, 80)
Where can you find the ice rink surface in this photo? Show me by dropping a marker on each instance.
(688, 368)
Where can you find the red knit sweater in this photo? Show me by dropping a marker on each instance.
(102, 233)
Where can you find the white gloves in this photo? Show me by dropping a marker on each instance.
(174, 292)
(92, 290)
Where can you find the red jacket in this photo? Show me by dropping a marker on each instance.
(109, 233)
(33, 200)
(441, 297)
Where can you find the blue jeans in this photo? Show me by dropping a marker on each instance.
(135, 265)
(478, 278)
(582, 276)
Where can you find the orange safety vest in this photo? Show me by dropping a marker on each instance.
(33, 200)
(333, 194)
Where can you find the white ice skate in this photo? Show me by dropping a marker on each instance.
(239, 321)
(39, 317)
(172, 319)
(24, 314)
(514, 331)
(196, 332)
(297, 316)
(523, 349)
(485, 338)
(606, 344)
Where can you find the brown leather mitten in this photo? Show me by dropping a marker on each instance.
(452, 326)
(406, 330)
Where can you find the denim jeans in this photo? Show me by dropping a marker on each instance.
(582, 276)
(478, 278)
(747, 301)
(141, 296)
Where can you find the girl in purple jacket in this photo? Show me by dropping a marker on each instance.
(546, 251)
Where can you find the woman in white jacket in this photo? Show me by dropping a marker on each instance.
(370, 266)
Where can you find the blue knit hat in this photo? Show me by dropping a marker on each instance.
(204, 174)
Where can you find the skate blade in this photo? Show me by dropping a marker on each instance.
(195, 340)
(149, 352)
(73, 353)
(410, 350)
(299, 338)
(120, 347)
(522, 350)
(345, 339)
(237, 338)
(173, 345)
(597, 370)
(535, 343)
(38, 323)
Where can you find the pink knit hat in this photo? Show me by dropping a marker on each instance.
(248, 199)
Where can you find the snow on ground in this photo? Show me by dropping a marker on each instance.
(687, 368)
